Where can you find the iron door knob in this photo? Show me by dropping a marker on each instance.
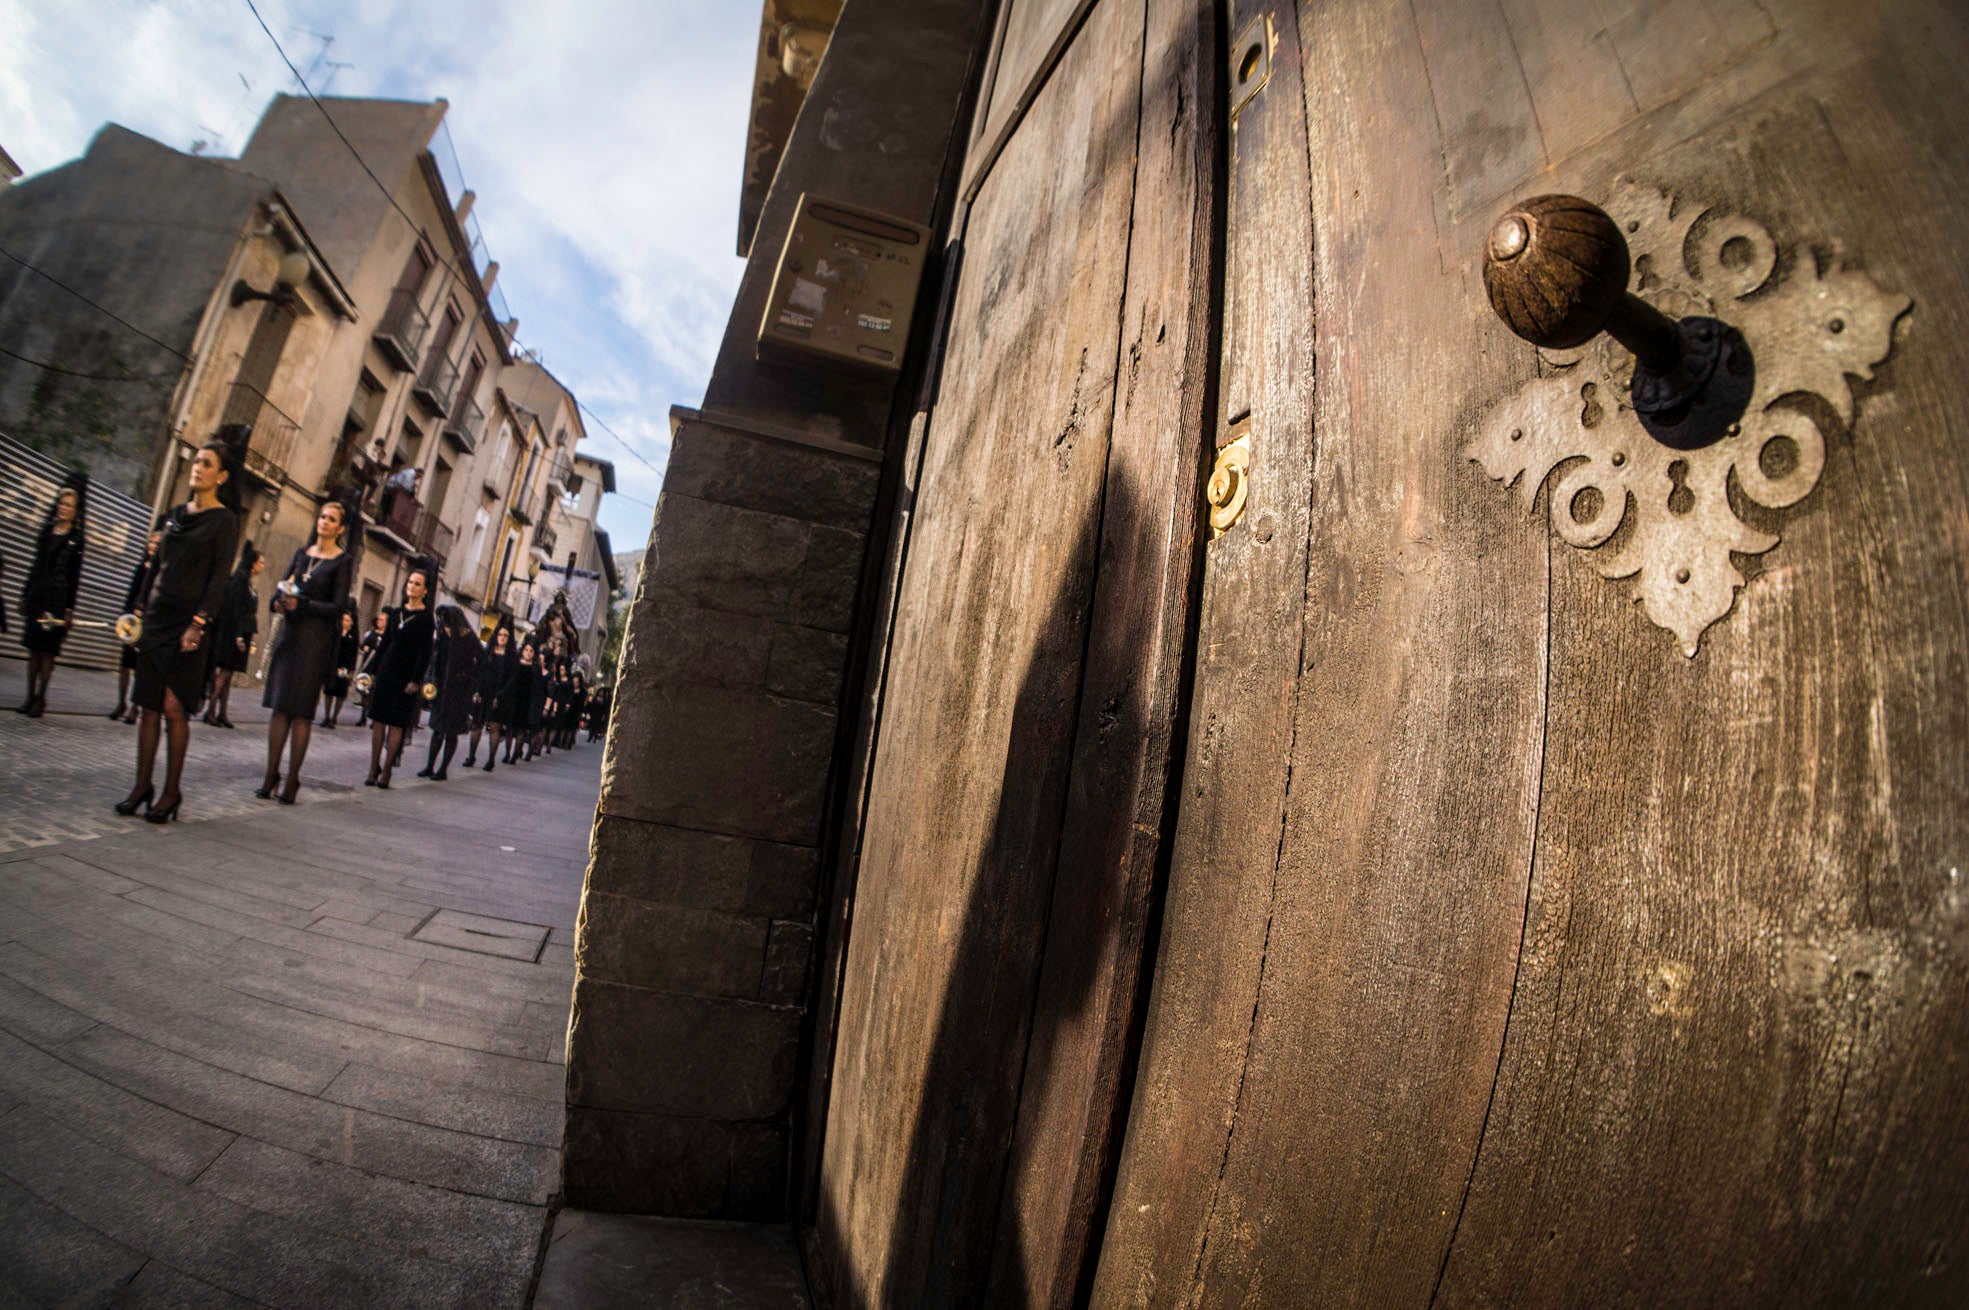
(1556, 269)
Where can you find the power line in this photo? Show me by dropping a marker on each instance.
(164, 346)
(91, 377)
(391, 197)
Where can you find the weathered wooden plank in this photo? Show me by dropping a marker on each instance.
(1734, 1061)
(1031, 37)
(1414, 773)
(1490, 134)
(1569, 66)
(1116, 823)
(970, 775)
(1217, 904)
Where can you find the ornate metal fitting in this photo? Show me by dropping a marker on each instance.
(1647, 487)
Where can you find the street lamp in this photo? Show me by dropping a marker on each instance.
(293, 271)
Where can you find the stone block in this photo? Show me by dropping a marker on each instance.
(784, 978)
(644, 1163)
(688, 645)
(661, 1053)
(806, 664)
(680, 866)
(738, 762)
(741, 561)
(670, 947)
(759, 1169)
(735, 468)
(830, 575)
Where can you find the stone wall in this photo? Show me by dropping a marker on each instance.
(697, 921)
(696, 939)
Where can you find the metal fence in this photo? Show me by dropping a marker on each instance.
(116, 529)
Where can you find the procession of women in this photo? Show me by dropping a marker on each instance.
(197, 608)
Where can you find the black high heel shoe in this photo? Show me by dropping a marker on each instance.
(163, 814)
(131, 804)
(265, 790)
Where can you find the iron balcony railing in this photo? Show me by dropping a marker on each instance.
(401, 333)
(435, 384)
(270, 434)
(545, 538)
(432, 537)
(467, 418)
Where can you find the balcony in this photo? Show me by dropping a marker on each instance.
(433, 538)
(401, 335)
(396, 519)
(561, 473)
(545, 538)
(435, 385)
(269, 434)
(462, 428)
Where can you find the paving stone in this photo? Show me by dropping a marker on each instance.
(411, 1219)
(378, 1143)
(28, 1014)
(157, 1286)
(106, 1113)
(267, 1258)
(475, 1110)
(48, 1258)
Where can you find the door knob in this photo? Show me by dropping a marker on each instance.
(1556, 270)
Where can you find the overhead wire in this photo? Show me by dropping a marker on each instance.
(90, 377)
(390, 196)
(100, 309)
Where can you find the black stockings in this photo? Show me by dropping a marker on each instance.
(385, 744)
(281, 730)
(176, 729)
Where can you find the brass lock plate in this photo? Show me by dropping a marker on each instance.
(1229, 484)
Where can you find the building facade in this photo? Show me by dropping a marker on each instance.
(327, 314)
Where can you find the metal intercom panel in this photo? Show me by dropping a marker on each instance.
(844, 289)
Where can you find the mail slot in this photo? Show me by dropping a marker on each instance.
(844, 288)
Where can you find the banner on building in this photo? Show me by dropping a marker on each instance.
(583, 587)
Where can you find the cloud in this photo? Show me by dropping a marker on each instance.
(605, 140)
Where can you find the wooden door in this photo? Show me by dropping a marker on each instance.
(1511, 955)
(1015, 812)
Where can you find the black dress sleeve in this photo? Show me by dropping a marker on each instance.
(72, 568)
(225, 543)
(140, 575)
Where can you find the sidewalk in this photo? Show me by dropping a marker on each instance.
(292, 1056)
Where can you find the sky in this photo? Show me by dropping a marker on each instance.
(605, 140)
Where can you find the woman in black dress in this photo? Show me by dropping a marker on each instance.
(309, 602)
(48, 595)
(495, 666)
(540, 700)
(335, 691)
(233, 632)
(133, 603)
(459, 652)
(199, 539)
(515, 698)
(403, 659)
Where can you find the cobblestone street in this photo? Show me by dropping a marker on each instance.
(301, 1056)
